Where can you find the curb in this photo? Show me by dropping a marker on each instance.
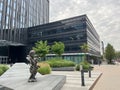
(91, 88)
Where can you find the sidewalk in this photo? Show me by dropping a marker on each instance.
(73, 80)
(110, 80)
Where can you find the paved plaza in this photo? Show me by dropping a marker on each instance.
(110, 79)
(73, 80)
(16, 78)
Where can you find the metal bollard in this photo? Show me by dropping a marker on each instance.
(82, 75)
(82, 78)
(89, 72)
(11, 64)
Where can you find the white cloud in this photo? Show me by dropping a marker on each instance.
(104, 15)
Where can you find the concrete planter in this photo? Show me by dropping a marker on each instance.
(63, 69)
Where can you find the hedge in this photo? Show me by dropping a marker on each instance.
(57, 62)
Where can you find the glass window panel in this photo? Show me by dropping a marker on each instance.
(1, 5)
(8, 2)
(0, 16)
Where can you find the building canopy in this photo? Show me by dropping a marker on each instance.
(9, 43)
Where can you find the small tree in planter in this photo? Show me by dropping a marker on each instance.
(85, 65)
(58, 48)
(41, 48)
(85, 49)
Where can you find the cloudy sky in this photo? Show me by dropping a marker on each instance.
(104, 15)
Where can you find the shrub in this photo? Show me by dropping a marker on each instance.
(44, 68)
(1, 71)
(3, 68)
(57, 62)
(84, 64)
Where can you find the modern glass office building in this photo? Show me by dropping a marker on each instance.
(24, 22)
(73, 32)
(15, 17)
(18, 14)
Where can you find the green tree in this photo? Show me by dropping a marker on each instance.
(41, 48)
(109, 53)
(58, 48)
(117, 55)
(85, 49)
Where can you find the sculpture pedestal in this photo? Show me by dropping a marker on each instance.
(17, 78)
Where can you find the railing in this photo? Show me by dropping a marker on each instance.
(3, 59)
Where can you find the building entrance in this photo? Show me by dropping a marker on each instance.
(17, 54)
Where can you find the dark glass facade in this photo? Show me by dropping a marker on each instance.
(19, 14)
(73, 32)
(15, 18)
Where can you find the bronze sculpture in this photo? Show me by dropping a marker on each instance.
(33, 65)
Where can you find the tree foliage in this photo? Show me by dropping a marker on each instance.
(58, 48)
(41, 48)
(109, 53)
(117, 55)
(85, 48)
